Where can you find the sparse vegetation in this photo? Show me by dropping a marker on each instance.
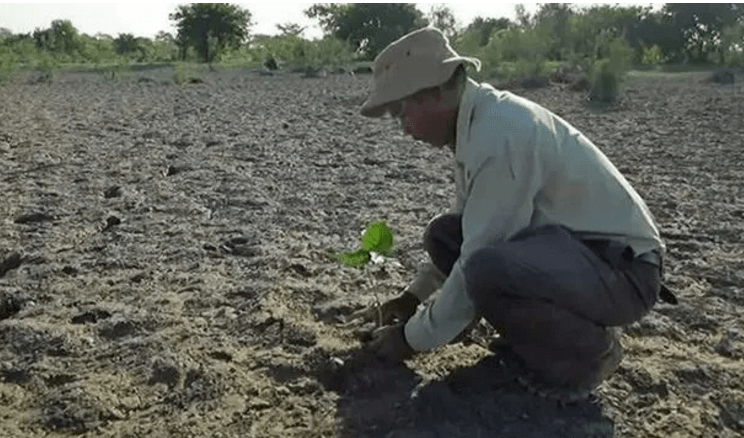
(601, 41)
(186, 73)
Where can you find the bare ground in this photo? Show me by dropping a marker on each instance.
(164, 272)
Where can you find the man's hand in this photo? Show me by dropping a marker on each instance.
(389, 344)
(398, 310)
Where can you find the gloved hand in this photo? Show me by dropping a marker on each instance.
(397, 310)
(389, 344)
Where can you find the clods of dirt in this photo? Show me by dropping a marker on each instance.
(210, 307)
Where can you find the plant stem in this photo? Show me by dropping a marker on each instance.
(378, 306)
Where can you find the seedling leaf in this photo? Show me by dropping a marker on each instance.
(377, 238)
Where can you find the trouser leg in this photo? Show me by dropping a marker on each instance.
(552, 299)
(442, 241)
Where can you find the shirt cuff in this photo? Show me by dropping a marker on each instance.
(441, 320)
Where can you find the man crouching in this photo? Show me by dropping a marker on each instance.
(547, 241)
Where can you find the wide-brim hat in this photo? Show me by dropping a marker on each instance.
(419, 60)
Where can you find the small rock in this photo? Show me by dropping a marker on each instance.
(165, 371)
(112, 192)
(171, 170)
(271, 63)
(258, 404)
(69, 270)
(91, 316)
(111, 221)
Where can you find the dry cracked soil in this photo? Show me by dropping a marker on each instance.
(164, 266)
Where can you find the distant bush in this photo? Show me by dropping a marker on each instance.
(46, 67)
(7, 69)
(605, 83)
(510, 53)
(186, 73)
(732, 42)
(296, 53)
(607, 72)
(652, 55)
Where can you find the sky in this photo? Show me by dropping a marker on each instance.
(147, 20)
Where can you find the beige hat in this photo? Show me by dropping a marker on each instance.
(422, 59)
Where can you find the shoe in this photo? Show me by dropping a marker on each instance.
(581, 389)
(609, 361)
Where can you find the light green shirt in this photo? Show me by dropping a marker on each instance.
(518, 165)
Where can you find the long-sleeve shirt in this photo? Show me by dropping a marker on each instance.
(518, 165)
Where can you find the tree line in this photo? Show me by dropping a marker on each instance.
(628, 35)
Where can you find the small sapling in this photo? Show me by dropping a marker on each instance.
(376, 242)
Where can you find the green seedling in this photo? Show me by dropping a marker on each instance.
(376, 241)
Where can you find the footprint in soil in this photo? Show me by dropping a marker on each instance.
(10, 304)
(335, 311)
(12, 261)
(112, 192)
(111, 222)
(237, 246)
(358, 372)
(33, 218)
(90, 316)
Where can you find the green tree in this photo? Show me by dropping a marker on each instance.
(164, 47)
(210, 28)
(442, 17)
(5, 33)
(97, 49)
(732, 43)
(524, 18)
(367, 27)
(61, 41)
(554, 18)
(485, 27)
(700, 25)
(290, 29)
(125, 43)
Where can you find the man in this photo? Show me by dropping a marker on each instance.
(547, 241)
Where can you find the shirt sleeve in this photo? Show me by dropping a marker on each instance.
(428, 280)
(499, 204)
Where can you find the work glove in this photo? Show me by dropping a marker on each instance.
(397, 310)
(389, 344)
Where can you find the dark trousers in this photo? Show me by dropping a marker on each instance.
(549, 295)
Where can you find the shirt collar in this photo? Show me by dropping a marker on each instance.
(465, 116)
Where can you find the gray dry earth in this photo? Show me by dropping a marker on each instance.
(172, 277)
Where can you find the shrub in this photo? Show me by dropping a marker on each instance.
(7, 68)
(605, 83)
(652, 55)
(299, 54)
(184, 73)
(510, 53)
(45, 68)
(607, 72)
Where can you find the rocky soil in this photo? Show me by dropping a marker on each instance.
(164, 269)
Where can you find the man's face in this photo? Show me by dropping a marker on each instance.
(425, 117)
